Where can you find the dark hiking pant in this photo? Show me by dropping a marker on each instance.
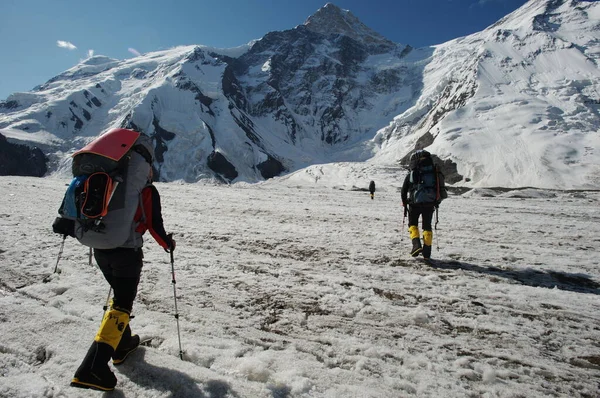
(121, 268)
(426, 214)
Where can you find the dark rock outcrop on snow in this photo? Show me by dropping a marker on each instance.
(9, 105)
(220, 165)
(21, 160)
(270, 168)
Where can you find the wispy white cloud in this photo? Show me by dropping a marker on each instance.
(134, 51)
(90, 53)
(66, 44)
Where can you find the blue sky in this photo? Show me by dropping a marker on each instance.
(31, 30)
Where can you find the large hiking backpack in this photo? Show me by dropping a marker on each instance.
(427, 184)
(102, 199)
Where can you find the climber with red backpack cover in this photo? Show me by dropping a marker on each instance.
(110, 203)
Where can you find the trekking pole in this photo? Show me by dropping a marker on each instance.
(175, 297)
(60, 252)
(403, 221)
(107, 300)
(437, 220)
(107, 305)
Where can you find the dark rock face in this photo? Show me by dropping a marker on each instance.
(161, 136)
(93, 100)
(449, 169)
(455, 96)
(9, 105)
(270, 168)
(297, 78)
(332, 20)
(423, 142)
(543, 22)
(233, 89)
(184, 84)
(20, 160)
(220, 165)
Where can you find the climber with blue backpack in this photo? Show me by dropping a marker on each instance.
(422, 192)
(110, 203)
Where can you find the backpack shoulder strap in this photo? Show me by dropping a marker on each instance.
(414, 176)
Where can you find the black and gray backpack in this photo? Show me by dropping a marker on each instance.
(427, 184)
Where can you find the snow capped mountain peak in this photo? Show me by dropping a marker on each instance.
(514, 105)
(539, 15)
(330, 19)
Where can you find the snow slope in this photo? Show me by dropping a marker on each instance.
(290, 288)
(524, 99)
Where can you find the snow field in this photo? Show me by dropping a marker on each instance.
(292, 290)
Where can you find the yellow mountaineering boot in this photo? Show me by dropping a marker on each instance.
(416, 240)
(427, 242)
(128, 344)
(94, 371)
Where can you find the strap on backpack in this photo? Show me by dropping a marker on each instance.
(144, 152)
